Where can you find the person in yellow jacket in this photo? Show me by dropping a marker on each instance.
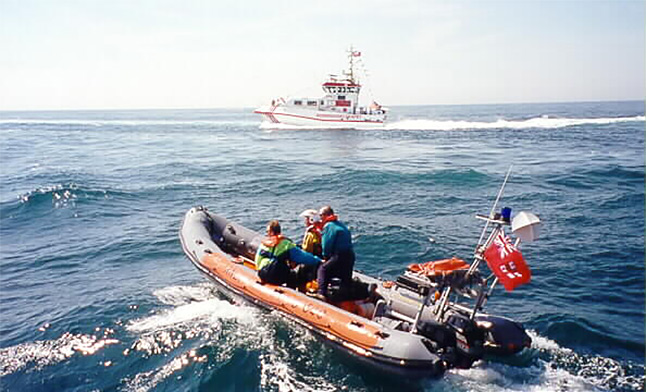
(276, 252)
(312, 236)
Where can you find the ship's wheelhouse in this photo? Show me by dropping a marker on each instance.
(342, 96)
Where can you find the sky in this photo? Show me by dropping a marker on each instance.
(122, 54)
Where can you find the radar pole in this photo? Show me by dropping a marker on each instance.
(351, 60)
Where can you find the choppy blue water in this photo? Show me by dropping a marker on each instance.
(96, 294)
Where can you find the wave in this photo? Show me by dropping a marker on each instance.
(61, 195)
(543, 122)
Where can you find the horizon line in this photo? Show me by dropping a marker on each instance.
(251, 107)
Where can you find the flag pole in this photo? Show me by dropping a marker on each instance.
(493, 208)
(478, 250)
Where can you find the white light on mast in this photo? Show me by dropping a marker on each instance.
(526, 226)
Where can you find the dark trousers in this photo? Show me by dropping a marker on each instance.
(340, 265)
(303, 274)
(275, 273)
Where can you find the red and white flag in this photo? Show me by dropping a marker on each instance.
(507, 263)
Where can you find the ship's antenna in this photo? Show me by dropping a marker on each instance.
(351, 60)
(493, 208)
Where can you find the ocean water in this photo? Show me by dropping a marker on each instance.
(96, 293)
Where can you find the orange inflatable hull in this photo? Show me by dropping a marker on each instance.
(334, 321)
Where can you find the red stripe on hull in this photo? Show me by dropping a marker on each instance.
(320, 119)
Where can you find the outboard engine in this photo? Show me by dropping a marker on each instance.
(502, 335)
(469, 339)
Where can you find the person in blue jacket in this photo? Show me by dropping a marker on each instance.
(275, 253)
(338, 253)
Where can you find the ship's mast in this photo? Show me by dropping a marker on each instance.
(350, 72)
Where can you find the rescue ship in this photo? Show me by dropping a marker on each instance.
(427, 320)
(338, 108)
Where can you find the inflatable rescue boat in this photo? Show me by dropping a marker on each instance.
(427, 320)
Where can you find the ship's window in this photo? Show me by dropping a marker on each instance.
(298, 102)
(322, 102)
(341, 97)
(311, 103)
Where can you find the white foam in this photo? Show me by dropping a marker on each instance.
(489, 377)
(267, 126)
(208, 312)
(554, 368)
(42, 353)
(181, 295)
(148, 380)
(545, 344)
(542, 122)
(277, 373)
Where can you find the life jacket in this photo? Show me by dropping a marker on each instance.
(272, 248)
(329, 218)
(312, 240)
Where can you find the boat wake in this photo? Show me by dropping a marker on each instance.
(547, 366)
(296, 362)
(191, 304)
(421, 124)
(543, 122)
(198, 330)
(41, 353)
(290, 127)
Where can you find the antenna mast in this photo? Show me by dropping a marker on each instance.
(351, 61)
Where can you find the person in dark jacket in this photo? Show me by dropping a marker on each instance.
(338, 253)
(275, 253)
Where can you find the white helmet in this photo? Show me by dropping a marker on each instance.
(310, 213)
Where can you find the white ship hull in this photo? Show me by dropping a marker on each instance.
(281, 117)
(337, 109)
